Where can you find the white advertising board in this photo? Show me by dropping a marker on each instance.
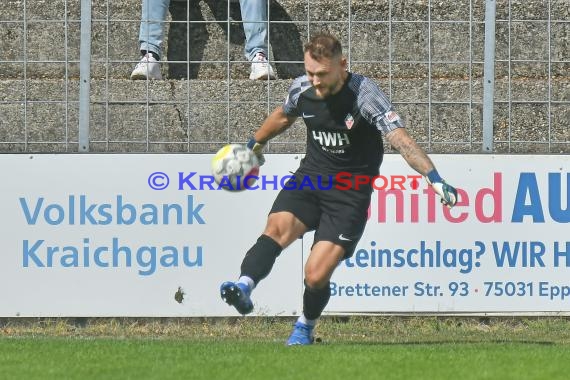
(505, 247)
(88, 235)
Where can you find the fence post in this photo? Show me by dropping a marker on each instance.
(489, 76)
(84, 75)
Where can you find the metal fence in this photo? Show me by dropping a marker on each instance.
(467, 76)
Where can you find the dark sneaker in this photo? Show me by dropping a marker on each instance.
(302, 335)
(237, 294)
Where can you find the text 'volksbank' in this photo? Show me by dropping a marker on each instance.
(79, 210)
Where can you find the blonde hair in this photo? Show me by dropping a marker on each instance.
(323, 45)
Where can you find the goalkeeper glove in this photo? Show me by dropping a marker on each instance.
(447, 192)
(257, 148)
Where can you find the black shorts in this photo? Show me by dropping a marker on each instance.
(335, 215)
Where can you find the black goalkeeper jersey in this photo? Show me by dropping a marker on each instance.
(344, 130)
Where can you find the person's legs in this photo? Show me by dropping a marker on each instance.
(342, 222)
(254, 16)
(281, 230)
(151, 37)
(151, 32)
(292, 214)
(320, 265)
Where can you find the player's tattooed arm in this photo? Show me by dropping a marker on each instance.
(414, 155)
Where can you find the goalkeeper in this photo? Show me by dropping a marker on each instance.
(346, 116)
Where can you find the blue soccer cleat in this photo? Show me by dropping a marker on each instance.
(302, 335)
(237, 294)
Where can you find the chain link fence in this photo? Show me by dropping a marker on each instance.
(65, 66)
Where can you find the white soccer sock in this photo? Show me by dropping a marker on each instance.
(248, 281)
(308, 322)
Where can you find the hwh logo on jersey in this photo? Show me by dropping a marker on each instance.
(331, 138)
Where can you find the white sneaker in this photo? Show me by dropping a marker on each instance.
(147, 68)
(260, 68)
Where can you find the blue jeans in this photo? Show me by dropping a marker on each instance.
(253, 13)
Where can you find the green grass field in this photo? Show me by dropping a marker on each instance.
(251, 348)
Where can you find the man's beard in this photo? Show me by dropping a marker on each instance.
(323, 92)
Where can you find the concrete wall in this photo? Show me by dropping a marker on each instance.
(195, 109)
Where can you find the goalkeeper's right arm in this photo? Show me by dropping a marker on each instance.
(257, 148)
(276, 123)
